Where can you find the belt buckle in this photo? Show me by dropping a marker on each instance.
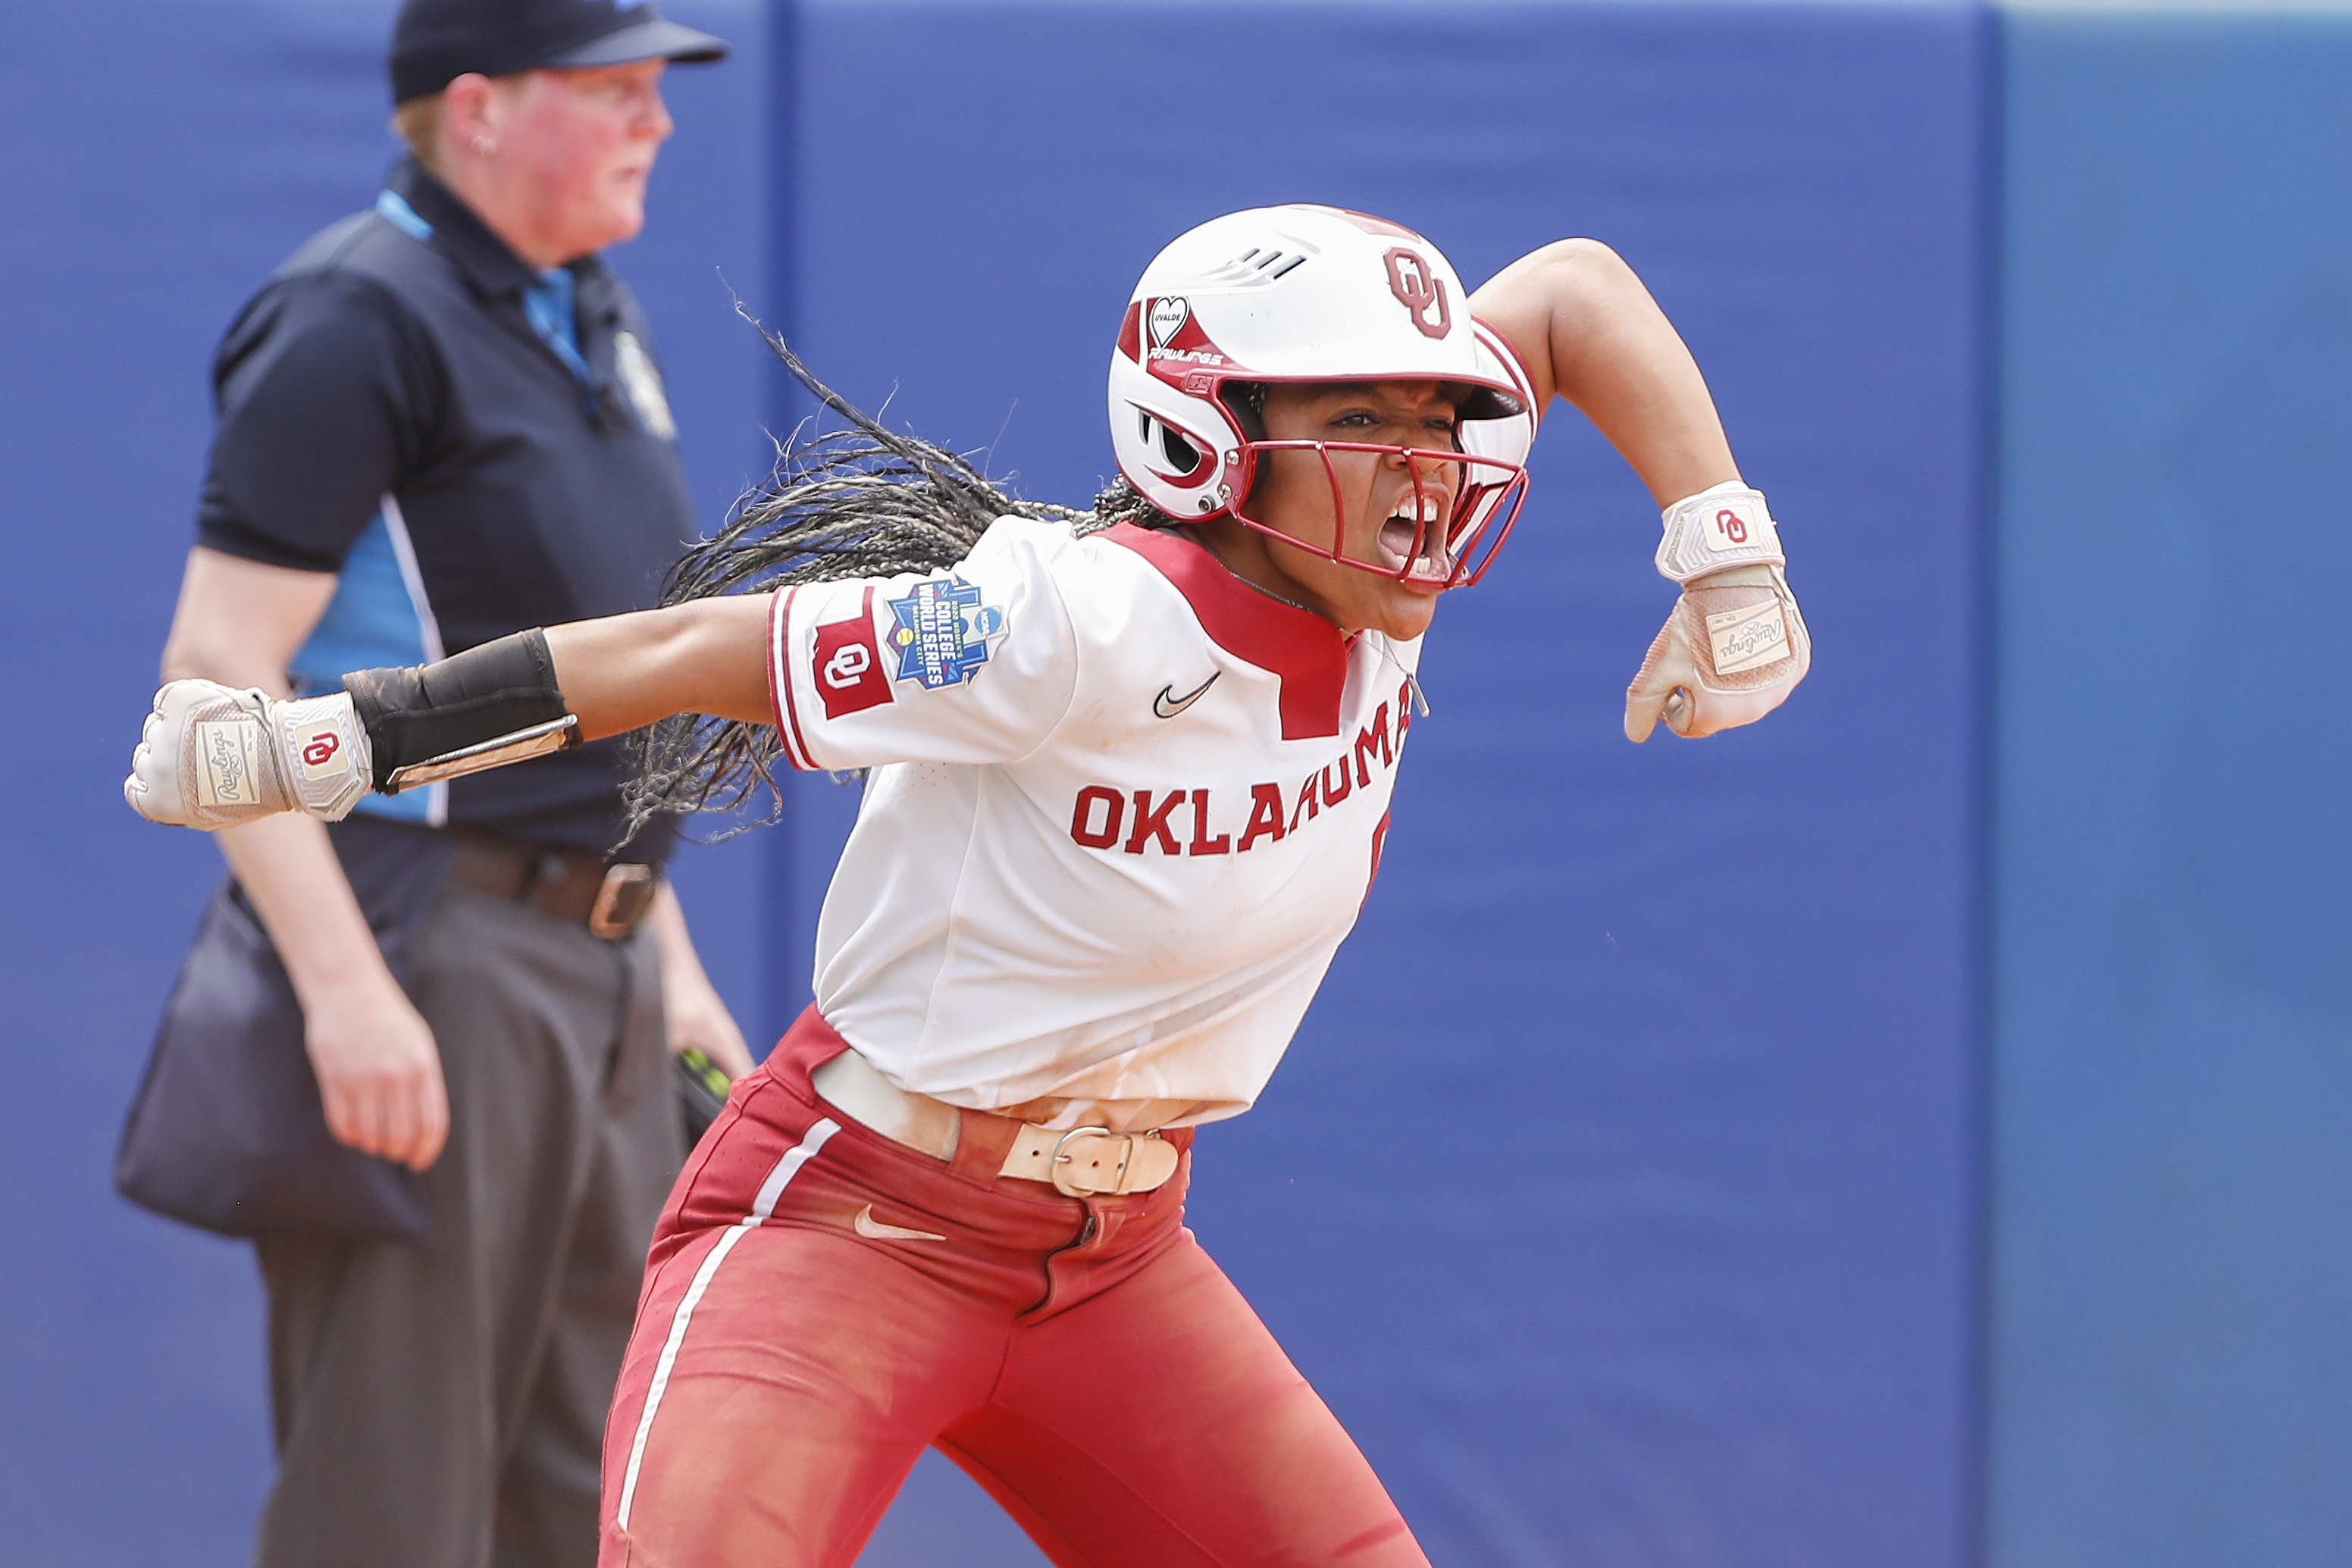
(1060, 1158)
(622, 901)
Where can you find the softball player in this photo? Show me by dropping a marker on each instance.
(1128, 776)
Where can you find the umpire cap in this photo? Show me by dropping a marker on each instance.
(435, 41)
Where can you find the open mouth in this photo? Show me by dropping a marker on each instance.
(1423, 514)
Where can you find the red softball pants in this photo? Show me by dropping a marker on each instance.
(822, 1303)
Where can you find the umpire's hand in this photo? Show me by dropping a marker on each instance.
(379, 1070)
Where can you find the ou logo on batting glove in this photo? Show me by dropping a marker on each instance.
(1728, 529)
(321, 750)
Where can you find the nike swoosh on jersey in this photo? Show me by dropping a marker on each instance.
(873, 1229)
(1168, 705)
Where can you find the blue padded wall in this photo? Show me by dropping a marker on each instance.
(162, 157)
(1618, 1193)
(2173, 1274)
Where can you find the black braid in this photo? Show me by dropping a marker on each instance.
(861, 501)
(1123, 503)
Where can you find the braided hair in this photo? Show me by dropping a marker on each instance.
(862, 500)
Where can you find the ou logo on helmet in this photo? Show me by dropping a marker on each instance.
(849, 662)
(1417, 288)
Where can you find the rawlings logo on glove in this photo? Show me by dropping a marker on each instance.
(211, 757)
(1735, 646)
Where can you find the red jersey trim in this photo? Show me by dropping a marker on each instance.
(780, 675)
(1300, 646)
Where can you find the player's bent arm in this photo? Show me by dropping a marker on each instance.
(1587, 330)
(238, 623)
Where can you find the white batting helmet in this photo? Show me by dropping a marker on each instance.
(1309, 294)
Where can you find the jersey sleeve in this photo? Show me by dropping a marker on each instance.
(318, 387)
(975, 665)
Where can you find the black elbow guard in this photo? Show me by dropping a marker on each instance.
(484, 707)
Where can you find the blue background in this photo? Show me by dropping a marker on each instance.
(1908, 1130)
(2172, 1353)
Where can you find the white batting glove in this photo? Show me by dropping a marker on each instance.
(1735, 646)
(211, 757)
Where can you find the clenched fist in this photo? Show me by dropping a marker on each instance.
(1730, 652)
(1735, 646)
(213, 757)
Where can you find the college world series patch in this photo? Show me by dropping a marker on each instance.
(943, 632)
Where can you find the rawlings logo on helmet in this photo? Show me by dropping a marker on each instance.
(1176, 335)
(1417, 288)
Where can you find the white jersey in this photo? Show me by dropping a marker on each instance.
(1123, 808)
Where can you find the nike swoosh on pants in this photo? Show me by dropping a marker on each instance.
(873, 1229)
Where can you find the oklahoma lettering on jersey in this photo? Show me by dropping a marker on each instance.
(1123, 807)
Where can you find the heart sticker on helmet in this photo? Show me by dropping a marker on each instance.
(1168, 319)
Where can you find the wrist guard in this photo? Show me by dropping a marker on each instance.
(483, 708)
(1715, 529)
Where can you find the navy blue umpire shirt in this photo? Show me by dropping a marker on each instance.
(476, 447)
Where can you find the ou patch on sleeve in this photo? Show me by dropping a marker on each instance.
(846, 664)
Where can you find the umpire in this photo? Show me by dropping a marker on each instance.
(440, 422)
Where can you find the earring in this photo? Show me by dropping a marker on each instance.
(483, 147)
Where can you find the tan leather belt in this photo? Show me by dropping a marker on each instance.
(1083, 1162)
(571, 884)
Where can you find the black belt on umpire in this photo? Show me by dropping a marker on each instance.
(609, 899)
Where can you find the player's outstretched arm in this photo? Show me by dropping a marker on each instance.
(710, 655)
(1587, 332)
(214, 757)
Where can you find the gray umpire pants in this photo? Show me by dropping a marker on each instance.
(442, 1405)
